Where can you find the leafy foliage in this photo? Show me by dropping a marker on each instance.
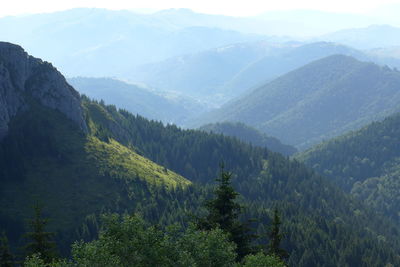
(131, 243)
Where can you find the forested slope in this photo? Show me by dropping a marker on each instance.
(365, 163)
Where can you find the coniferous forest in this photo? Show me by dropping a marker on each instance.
(190, 139)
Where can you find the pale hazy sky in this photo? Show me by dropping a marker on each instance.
(226, 7)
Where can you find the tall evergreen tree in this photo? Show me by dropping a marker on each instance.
(40, 240)
(223, 212)
(275, 238)
(6, 258)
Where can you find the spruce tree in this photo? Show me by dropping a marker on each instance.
(40, 240)
(275, 238)
(224, 211)
(6, 258)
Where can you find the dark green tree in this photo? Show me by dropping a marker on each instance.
(6, 258)
(275, 238)
(41, 242)
(223, 212)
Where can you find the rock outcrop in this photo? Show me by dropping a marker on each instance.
(23, 76)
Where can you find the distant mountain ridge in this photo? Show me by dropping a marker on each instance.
(223, 73)
(373, 36)
(122, 38)
(320, 100)
(139, 100)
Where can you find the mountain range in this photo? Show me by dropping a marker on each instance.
(318, 101)
(224, 73)
(121, 38)
(93, 158)
(373, 36)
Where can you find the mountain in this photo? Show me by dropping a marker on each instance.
(220, 74)
(320, 100)
(125, 163)
(52, 151)
(121, 38)
(37, 79)
(249, 135)
(202, 74)
(374, 36)
(365, 163)
(281, 62)
(137, 99)
(307, 22)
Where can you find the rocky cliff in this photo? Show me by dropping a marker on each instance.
(23, 77)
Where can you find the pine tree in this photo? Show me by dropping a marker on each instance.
(6, 258)
(40, 240)
(275, 238)
(223, 212)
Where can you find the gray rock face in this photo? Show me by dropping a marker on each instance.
(22, 75)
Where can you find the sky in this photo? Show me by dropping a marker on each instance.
(225, 7)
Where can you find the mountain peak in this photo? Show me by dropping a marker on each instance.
(23, 77)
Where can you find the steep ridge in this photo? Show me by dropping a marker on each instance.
(22, 75)
(320, 100)
(52, 151)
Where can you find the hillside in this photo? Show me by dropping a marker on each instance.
(249, 135)
(318, 101)
(139, 100)
(365, 163)
(226, 72)
(266, 179)
(120, 162)
(52, 151)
